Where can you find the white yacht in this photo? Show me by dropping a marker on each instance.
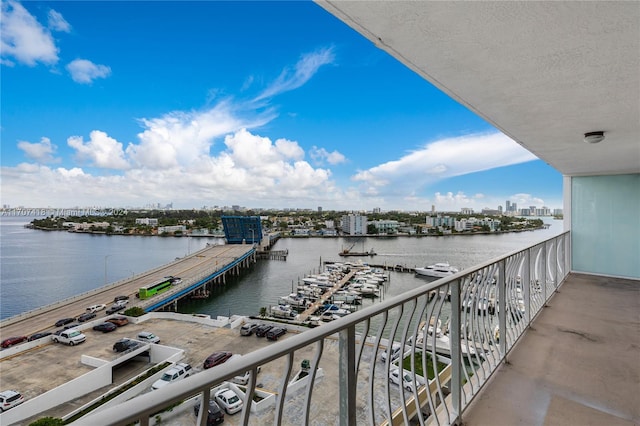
(440, 270)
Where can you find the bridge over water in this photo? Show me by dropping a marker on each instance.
(209, 265)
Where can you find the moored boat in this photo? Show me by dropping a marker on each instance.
(439, 270)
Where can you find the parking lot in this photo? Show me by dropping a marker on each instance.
(44, 368)
(50, 365)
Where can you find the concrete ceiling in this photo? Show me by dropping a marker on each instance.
(544, 73)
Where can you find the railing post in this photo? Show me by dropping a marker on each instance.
(456, 358)
(544, 272)
(347, 375)
(502, 310)
(526, 280)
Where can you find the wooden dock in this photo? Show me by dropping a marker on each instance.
(325, 296)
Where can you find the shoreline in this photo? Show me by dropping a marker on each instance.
(39, 228)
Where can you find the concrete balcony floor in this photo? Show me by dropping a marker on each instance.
(578, 365)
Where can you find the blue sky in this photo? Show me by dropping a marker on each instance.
(259, 104)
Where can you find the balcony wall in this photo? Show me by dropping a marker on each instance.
(605, 225)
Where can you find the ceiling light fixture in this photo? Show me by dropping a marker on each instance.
(594, 137)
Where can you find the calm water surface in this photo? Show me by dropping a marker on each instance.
(39, 267)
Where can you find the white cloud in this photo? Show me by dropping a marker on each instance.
(444, 159)
(41, 152)
(57, 22)
(252, 169)
(453, 202)
(180, 138)
(304, 69)
(23, 38)
(526, 200)
(101, 150)
(320, 155)
(84, 71)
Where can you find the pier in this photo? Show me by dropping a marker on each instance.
(198, 273)
(325, 297)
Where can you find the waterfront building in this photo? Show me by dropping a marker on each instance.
(440, 221)
(354, 224)
(85, 226)
(172, 229)
(386, 226)
(147, 221)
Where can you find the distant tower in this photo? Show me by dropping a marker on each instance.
(508, 206)
(319, 209)
(433, 208)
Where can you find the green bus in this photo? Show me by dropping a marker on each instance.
(158, 287)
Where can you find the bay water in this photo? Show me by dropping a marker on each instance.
(41, 267)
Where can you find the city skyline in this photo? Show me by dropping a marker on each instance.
(265, 104)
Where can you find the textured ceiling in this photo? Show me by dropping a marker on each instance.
(544, 73)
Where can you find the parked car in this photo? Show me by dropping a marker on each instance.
(119, 321)
(215, 415)
(69, 337)
(248, 328)
(275, 333)
(396, 351)
(124, 345)
(64, 321)
(10, 341)
(96, 308)
(86, 316)
(105, 327)
(148, 337)
(228, 400)
(404, 378)
(262, 330)
(39, 335)
(241, 379)
(115, 308)
(73, 325)
(9, 399)
(175, 373)
(216, 358)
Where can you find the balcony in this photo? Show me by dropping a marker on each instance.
(576, 365)
(568, 352)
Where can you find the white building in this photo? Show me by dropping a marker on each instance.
(354, 224)
(386, 226)
(147, 221)
(172, 229)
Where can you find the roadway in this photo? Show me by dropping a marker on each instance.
(190, 269)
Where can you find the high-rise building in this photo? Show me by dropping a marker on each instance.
(354, 224)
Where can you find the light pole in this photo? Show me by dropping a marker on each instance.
(105, 267)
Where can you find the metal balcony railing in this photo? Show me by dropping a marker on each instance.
(452, 334)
